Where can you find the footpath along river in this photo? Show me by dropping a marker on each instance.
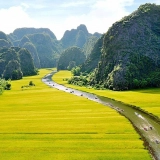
(145, 125)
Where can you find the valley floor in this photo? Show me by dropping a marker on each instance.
(40, 122)
(147, 99)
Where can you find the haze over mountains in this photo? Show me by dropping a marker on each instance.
(127, 56)
(43, 46)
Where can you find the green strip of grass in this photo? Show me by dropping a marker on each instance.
(44, 123)
(147, 99)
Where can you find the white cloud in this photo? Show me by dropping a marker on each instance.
(102, 15)
(97, 15)
(157, 2)
(73, 4)
(14, 17)
(24, 5)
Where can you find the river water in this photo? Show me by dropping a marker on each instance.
(145, 125)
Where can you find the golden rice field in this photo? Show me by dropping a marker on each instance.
(42, 123)
(147, 99)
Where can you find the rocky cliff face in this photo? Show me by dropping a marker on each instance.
(93, 58)
(77, 37)
(131, 51)
(19, 33)
(41, 42)
(4, 41)
(15, 63)
(45, 48)
(70, 58)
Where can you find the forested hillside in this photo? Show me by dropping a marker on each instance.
(79, 37)
(46, 49)
(4, 41)
(42, 44)
(19, 33)
(15, 63)
(127, 56)
(93, 58)
(131, 52)
(70, 58)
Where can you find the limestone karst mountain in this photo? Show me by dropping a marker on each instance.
(131, 51)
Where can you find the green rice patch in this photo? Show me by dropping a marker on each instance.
(147, 99)
(44, 123)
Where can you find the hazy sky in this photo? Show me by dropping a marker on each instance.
(62, 15)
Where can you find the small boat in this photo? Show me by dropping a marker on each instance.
(146, 129)
(157, 141)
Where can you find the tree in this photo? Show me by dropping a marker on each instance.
(76, 71)
(4, 85)
(13, 71)
(71, 54)
(72, 64)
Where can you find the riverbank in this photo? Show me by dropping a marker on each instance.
(41, 122)
(151, 143)
(146, 99)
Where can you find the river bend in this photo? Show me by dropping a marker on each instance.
(146, 126)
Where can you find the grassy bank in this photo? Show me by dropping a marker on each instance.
(43, 123)
(147, 99)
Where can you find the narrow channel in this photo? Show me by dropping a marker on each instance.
(145, 125)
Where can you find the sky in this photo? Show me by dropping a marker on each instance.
(62, 15)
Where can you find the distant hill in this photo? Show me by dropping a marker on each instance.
(32, 49)
(42, 44)
(77, 37)
(15, 63)
(94, 57)
(4, 41)
(19, 33)
(131, 51)
(70, 58)
(46, 49)
(89, 45)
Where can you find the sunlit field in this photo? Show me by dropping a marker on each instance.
(147, 99)
(42, 123)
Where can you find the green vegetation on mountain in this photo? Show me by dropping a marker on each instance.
(16, 63)
(4, 85)
(23, 41)
(3, 36)
(88, 46)
(13, 70)
(131, 52)
(93, 58)
(26, 62)
(77, 37)
(21, 32)
(32, 49)
(42, 44)
(72, 56)
(47, 49)
(4, 41)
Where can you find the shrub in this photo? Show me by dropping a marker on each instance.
(31, 83)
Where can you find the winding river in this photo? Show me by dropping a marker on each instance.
(145, 125)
